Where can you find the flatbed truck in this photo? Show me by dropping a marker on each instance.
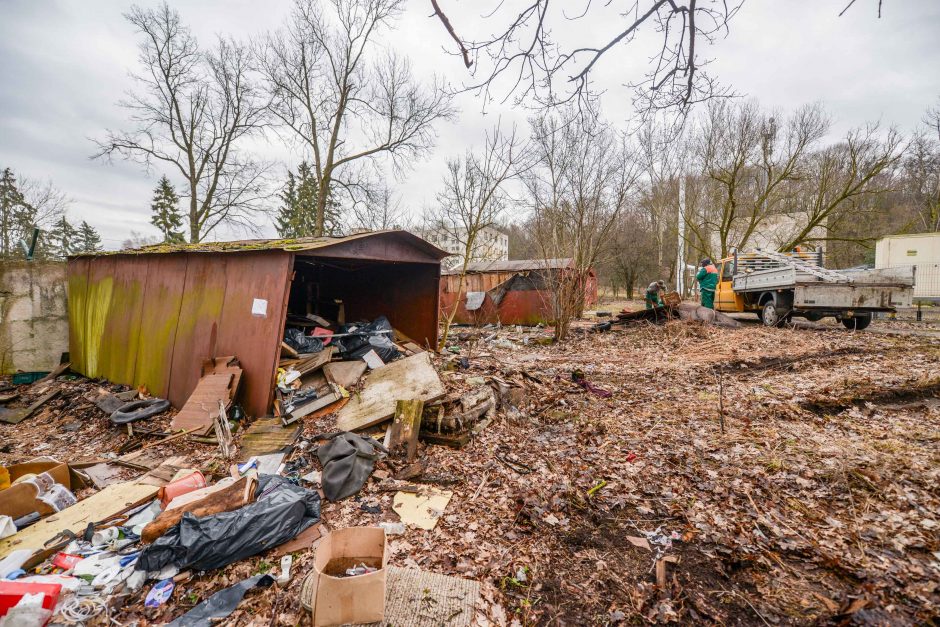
(779, 286)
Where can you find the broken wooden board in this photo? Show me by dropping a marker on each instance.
(457, 441)
(6, 398)
(114, 499)
(219, 382)
(305, 540)
(266, 435)
(18, 415)
(103, 475)
(422, 509)
(345, 373)
(229, 498)
(313, 361)
(412, 378)
(55, 373)
(163, 473)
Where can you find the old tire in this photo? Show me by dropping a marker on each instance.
(857, 323)
(770, 315)
(140, 410)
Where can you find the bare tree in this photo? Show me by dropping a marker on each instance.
(583, 177)
(380, 211)
(842, 177)
(348, 104)
(531, 50)
(748, 156)
(473, 200)
(922, 172)
(192, 111)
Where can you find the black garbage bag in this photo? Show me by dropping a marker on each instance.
(301, 343)
(282, 510)
(221, 604)
(348, 460)
(375, 335)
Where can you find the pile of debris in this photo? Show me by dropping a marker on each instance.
(672, 309)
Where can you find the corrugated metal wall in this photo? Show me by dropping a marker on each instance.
(152, 319)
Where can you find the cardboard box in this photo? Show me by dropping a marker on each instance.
(20, 500)
(340, 600)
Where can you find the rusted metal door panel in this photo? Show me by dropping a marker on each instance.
(199, 317)
(77, 273)
(120, 342)
(255, 340)
(162, 298)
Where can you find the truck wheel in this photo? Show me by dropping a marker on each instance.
(857, 323)
(770, 316)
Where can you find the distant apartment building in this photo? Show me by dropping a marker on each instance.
(490, 245)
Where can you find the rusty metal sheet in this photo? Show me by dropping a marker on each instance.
(162, 297)
(77, 276)
(118, 355)
(199, 317)
(255, 340)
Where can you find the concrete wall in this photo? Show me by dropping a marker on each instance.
(34, 319)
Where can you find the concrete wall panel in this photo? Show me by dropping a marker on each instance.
(34, 323)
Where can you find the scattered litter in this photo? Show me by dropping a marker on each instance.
(220, 604)
(160, 593)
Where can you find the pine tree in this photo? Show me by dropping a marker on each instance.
(89, 241)
(63, 239)
(15, 215)
(166, 214)
(297, 215)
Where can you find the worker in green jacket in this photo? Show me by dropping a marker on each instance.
(654, 294)
(707, 278)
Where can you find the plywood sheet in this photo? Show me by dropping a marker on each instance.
(409, 378)
(422, 509)
(98, 506)
(219, 383)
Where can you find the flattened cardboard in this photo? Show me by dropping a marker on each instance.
(344, 600)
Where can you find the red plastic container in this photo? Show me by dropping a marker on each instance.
(325, 335)
(12, 591)
(187, 484)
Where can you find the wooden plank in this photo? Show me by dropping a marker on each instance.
(266, 435)
(218, 383)
(16, 416)
(453, 441)
(55, 373)
(164, 473)
(307, 539)
(99, 506)
(287, 350)
(403, 434)
(412, 377)
(313, 361)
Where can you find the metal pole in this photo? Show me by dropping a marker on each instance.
(680, 255)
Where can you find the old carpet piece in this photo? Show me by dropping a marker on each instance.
(219, 382)
(409, 378)
(267, 435)
(423, 599)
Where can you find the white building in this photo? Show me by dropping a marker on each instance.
(921, 252)
(490, 244)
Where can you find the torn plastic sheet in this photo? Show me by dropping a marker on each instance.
(474, 300)
(347, 461)
(280, 512)
(221, 604)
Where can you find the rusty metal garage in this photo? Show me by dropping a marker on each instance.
(151, 316)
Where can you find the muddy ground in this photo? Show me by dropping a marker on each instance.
(817, 503)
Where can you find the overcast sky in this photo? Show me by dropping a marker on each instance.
(64, 65)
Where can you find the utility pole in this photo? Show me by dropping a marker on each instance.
(680, 255)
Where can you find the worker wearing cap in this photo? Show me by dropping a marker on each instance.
(654, 294)
(707, 278)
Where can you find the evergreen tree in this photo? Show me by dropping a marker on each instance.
(63, 239)
(166, 214)
(89, 241)
(15, 215)
(297, 215)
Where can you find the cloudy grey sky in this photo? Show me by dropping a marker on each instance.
(64, 64)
